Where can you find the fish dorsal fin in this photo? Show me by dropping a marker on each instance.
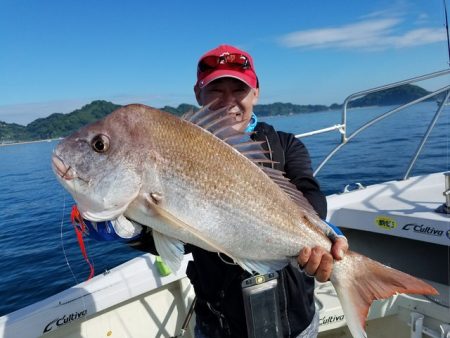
(289, 188)
(220, 123)
(187, 115)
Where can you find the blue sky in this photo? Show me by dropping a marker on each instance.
(57, 56)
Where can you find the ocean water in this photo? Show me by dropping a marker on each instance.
(39, 252)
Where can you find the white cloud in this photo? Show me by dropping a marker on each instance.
(371, 34)
(394, 11)
(422, 36)
(422, 18)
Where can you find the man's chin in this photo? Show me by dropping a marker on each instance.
(240, 126)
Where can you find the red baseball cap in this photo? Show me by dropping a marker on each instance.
(226, 61)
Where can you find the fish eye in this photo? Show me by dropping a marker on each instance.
(100, 143)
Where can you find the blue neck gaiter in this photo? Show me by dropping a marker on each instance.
(252, 124)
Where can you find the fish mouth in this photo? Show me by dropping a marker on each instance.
(61, 169)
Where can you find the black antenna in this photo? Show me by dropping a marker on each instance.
(446, 28)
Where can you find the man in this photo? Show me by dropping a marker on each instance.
(226, 77)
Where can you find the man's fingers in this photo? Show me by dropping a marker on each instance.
(303, 256)
(314, 261)
(325, 268)
(318, 262)
(339, 248)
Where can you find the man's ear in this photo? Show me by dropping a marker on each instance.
(197, 91)
(255, 96)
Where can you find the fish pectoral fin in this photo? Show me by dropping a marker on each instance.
(169, 218)
(261, 267)
(170, 249)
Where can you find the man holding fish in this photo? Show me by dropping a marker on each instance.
(226, 77)
(239, 205)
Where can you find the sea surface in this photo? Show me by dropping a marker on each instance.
(39, 252)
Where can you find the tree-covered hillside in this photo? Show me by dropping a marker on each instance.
(390, 97)
(60, 125)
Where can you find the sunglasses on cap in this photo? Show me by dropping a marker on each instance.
(234, 60)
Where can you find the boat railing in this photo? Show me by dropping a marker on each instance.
(342, 127)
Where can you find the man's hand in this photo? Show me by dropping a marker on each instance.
(318, 262)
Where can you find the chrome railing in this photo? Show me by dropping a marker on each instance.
(342, 128)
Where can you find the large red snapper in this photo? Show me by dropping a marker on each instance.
(198, 181)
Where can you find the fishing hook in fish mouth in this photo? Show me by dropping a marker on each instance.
(75, 175)
(84, 180)
(64, 175)
(65, 172)
(61, 169)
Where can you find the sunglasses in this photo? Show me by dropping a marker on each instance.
(234, 60)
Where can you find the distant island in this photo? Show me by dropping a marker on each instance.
(59, 125)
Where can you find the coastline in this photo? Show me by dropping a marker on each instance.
(27, 142)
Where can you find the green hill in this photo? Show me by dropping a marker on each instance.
(12, 132)
(279, 108)
(60, 125)
(390, 97)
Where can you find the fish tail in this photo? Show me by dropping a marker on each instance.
(359, 281)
